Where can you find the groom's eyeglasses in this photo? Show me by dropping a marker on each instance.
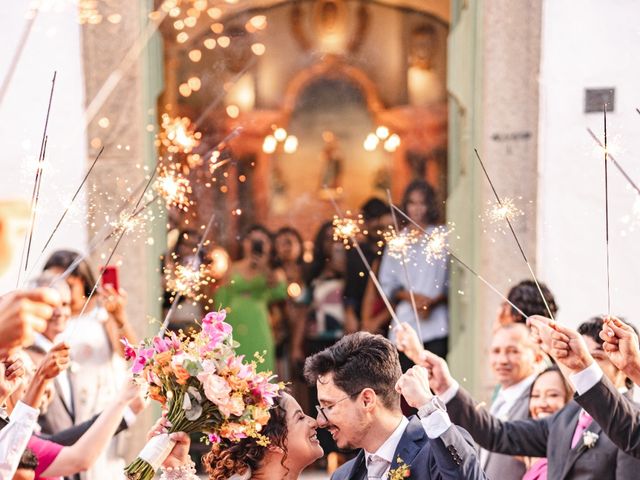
(325, 411)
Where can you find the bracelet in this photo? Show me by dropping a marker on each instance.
(186, 471)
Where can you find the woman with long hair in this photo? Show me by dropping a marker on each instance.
(425, 278)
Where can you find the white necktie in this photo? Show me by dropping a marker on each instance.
(376, 467)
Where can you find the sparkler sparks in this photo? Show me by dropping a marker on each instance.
(174, 188)
(398, 242)
(188, 281)
(345, 229)
(435, 244)
(501, 211)
(178, 135)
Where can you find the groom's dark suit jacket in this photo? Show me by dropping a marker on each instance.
(618, 416)
(548, 437)
(450, 457)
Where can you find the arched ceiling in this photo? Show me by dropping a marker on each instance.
(437, 8)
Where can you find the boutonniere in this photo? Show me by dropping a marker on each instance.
(589, 439)
(400, 472)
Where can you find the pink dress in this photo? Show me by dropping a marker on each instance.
(46, 452)
(538, 471)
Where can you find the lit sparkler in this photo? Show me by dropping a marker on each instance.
(178, 135)
(187, 280)
(503, 210)
(345, 229)
(398, 242)
(435, 243)
(174, 188)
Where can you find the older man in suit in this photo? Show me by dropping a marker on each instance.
(575, 446)
(514, 358)
(360, 406)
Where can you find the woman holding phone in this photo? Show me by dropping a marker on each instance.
(251, 284)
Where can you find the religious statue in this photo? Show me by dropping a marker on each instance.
(332, 160)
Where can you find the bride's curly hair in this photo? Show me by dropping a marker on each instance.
(226, 459)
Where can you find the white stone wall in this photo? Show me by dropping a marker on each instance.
(54, 44)
(588, 44)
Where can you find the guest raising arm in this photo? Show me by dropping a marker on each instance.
(618, 416)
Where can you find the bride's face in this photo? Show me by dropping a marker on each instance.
(303, 447)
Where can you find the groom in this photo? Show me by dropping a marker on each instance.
(359, 381)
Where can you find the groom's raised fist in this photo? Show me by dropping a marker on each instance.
(414, 386)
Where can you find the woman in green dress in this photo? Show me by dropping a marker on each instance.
(250, 286)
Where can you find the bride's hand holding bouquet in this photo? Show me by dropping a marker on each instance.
(203, 386)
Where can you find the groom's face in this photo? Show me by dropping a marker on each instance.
(342, 415)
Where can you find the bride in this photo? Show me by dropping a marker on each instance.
(293, 445)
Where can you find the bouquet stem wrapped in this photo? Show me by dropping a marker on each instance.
(203, 386)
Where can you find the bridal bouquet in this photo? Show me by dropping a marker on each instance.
(203, 386)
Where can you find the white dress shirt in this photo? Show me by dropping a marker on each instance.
(388, 448)
(14, 438)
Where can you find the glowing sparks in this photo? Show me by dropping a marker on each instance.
(398, 242)
(187, 281)
(174, 188)
(506, 210)
(435, 243)
(177, 134)
(345, 229)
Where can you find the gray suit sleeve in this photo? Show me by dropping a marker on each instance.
(520, 437)
(455, 456)
(618, 416)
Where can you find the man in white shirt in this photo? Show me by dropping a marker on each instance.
(360, 406)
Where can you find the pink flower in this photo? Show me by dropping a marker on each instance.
(214, 438)
(143, 356)
(129, 351)
(138, 365)
(215, 327)
(160, 345)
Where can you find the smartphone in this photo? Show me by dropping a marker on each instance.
(110, 277)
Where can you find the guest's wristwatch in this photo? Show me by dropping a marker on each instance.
(430, 407)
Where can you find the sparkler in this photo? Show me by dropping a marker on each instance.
(345, 229)
(86, 176)
(606, 207)
(501, 211)
(174, 188)
(372, 275)
(6, 81)
(196, 255)
(403, 253)
(36, 187)
(513, 232)
(115, 247)
(179, 135)
(463, 264)
(614, 161)
(398, 242)
(187, 280)
(436, 243)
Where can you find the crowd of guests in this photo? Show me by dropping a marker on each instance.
(563, 406)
